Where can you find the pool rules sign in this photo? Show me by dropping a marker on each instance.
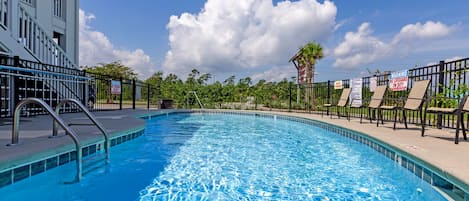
(398, 80)
(116, 87)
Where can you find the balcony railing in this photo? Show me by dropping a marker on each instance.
(39, 42)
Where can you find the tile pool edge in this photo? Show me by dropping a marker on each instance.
(440, 179)
(36, 165)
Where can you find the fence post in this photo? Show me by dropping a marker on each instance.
(148, 96)
(328, 96)
(85, 91)
(289, 96)
(16, 61)
(120, 95)
(441, 83)
(134, 93)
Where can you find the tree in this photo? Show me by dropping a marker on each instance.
(114, 69)
(309, 54)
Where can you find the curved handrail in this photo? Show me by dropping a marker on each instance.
(198, 100)
(55, 116)
(90, 116)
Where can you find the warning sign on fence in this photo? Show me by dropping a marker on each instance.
(115, 87)
(338, 84)
(356, 85)
(398, 80)
(373, 83)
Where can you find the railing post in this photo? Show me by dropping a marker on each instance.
(441, 84)
(328, 95)
(85, 92)
(148, 96)
(134, 93)
(289, 96)
(120, 95)
(16, 61)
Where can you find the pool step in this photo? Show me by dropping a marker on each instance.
(94, 162)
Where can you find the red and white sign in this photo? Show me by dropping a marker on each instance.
(338, 84)
(398, 80)
(302, 75)
(116, 87)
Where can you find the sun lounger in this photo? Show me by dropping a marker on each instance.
(459, 111)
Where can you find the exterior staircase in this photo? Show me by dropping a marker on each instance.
(27, 39)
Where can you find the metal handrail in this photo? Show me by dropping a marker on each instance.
(198, 100)
(56, 117)
(91, 117)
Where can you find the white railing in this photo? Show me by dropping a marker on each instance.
(4, 13)
(39, 43)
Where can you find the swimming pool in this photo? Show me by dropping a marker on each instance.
(232, 157)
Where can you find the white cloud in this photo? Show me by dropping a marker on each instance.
(361, 47)
(276, 74)
(446, 60)
(95, 48)
(453, 58)
(232, 35)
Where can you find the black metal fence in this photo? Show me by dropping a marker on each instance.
(449, 83)
(133, 94)
(20, 79)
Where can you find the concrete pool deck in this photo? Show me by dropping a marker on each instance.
(436, 148)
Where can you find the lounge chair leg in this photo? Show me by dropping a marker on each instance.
(463, 128)
(395, 119)
(369, 115)
(381, 117)
(377, 117)
(348, 114)
(423, 123)
(361, 116)
(405, 118)
(461, 121)
(456, 136)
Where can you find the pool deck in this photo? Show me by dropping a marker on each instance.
(35, 141)
(436, 148)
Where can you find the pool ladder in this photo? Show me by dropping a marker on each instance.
(198, 100)
(59, 121)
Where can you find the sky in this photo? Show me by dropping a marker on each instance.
(256, 38)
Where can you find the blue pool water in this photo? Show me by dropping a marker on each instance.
(232, 157)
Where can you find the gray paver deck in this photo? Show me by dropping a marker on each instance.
(35, 132)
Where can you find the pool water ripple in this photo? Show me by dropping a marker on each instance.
(251, 158)
(231, 157)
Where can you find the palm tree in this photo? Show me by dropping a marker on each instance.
(309, 54)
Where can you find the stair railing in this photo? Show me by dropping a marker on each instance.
(56, 117)
(107, 143)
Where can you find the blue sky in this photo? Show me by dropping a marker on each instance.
(256, 38)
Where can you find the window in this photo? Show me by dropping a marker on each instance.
(3, 12)
(59, 6)
(59, 39)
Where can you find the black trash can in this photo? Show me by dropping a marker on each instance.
(166, 104)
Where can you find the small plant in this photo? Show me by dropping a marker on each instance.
(451, 94)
